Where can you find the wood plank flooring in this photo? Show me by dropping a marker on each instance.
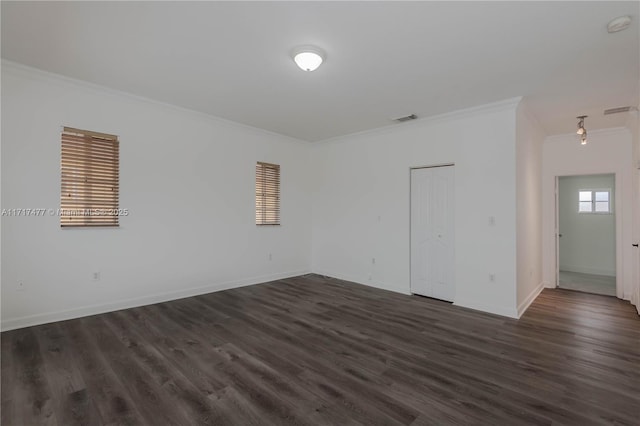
(316, 351)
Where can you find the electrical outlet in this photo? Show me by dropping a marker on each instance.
(20, 286)
(95, 276)
(492, 277)
(270, 257)
(373, 260)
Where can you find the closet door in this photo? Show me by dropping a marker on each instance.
(432, 253)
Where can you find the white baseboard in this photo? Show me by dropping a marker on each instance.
(505, 312)
(479, 306)
(588, 270)
(522, 307)
(375, 284)
(31, 320)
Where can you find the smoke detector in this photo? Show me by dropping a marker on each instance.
(618, 24)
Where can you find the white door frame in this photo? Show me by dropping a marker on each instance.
(557, 229)
(618, 220)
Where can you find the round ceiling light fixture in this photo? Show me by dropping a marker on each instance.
(308, 58)
(618, 24)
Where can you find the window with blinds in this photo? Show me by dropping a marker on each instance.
(267, 194)
(90, 175)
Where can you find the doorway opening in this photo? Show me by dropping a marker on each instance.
(586, 233)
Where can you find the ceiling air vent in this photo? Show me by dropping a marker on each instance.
(619, 109)
(405, 118)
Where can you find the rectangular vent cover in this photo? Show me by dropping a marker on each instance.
(619, 109)
(406, 118)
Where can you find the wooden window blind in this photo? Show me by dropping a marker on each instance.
(90, 176)
(267, 194)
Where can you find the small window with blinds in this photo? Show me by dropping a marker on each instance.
(267, 194)
(90, 175)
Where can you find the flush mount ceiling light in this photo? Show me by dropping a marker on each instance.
(618, 24)
(581, 130)
(308, 58)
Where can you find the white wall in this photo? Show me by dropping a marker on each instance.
(588, 242)
(187, 179)
(529, 138)
(633, 124)
(608, 151)
(361, 203)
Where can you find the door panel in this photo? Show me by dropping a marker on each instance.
(432, 232)
(420, 224)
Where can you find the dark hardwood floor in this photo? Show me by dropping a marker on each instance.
(318, 351)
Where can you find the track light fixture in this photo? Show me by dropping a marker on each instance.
(581, 124)
(581, 130)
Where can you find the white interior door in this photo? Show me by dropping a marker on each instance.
(432, 250)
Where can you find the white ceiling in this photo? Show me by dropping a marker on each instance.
(384, 59)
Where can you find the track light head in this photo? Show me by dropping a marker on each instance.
(581, 130)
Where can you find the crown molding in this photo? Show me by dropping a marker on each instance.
(510, 103)
(31, 72)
